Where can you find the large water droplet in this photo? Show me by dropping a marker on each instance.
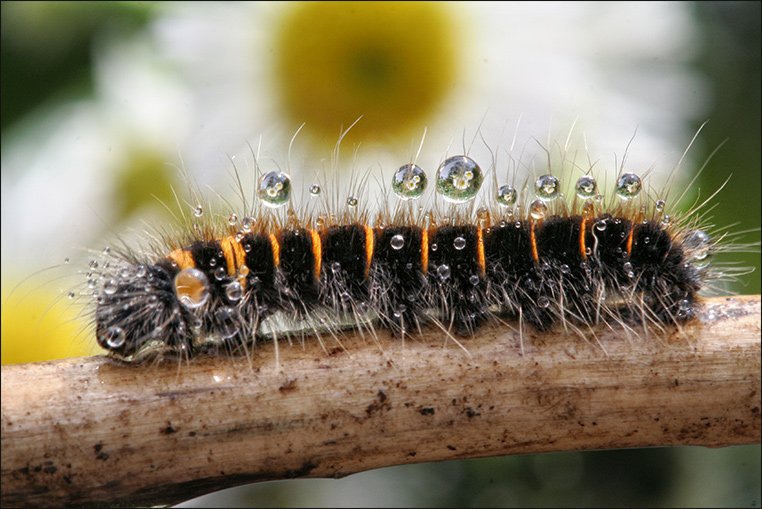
(459, 179)
(398, 242)
(274, 188)
(628, 186)
(506, 196)
(115, 337)
(409, 182)
(586, 187)
(538, 209)
(192, 288)
(546, 187)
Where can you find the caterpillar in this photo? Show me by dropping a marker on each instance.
(528, 255)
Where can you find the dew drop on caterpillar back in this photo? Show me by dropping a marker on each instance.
(527, 255)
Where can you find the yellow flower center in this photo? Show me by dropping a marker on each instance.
(392, 63)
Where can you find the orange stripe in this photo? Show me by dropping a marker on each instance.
(368, 248)
(276, 249)
(183, 259)
(582, 246)
(532, 239)
(317, 252)
(629, 242)
(425, 250)
(235, 256)
(480, 252)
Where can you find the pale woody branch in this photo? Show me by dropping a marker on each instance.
(87, 432)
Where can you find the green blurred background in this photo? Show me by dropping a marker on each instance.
(53, 64)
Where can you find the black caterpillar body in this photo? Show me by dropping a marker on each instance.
(582, 268)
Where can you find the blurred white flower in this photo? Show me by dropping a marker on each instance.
(615, 67)
(68, 169)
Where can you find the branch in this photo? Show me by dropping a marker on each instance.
(87, 431)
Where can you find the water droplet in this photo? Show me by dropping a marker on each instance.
(192, 288)
(600, 225)
(537, 209)
(434, 246)
(93, 264)
(660, 204)
(543, 302)
(71, 295)
(274, 188)
(198, 211)
(443, 271)
(666, 220)
(248, 223)
(546, 187)
(234, 291)
(459, 243)
(110, 287)
(352, 201)
(628, 186)
(220, 273)
(106, 250)
(564, 269)
(315, 190)
(67, 260)
(227, 324)
(586, 187)
(409, 182)
(474, 279)
(232, 220)
(345, 297)
(115, 337)
(398, 242)
(243, 270)
(506, 196)
(459, 179)
(336, 267)
(628, 270)
(698, 246)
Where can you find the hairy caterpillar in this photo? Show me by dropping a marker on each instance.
(528, 255)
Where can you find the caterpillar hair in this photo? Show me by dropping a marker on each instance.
(527, 256)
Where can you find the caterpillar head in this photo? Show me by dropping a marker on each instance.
(139, 307)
